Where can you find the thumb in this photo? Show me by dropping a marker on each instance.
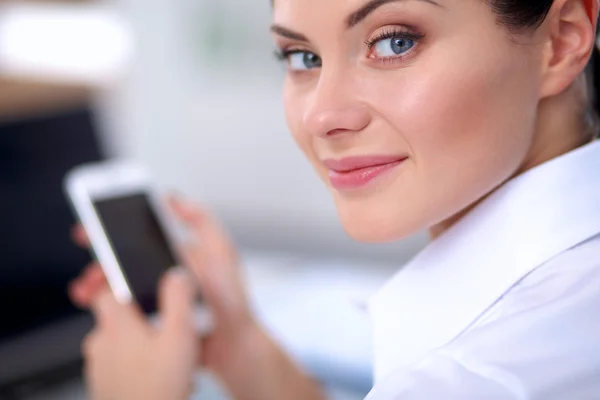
(207, 232)
(177, 302)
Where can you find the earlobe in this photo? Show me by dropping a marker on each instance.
(572, 37)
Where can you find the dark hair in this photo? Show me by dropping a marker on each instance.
(521, 15)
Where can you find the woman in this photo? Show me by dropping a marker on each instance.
(471, 118)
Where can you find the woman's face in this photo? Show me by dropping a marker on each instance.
(409, 110)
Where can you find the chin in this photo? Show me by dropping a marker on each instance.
(375, 225)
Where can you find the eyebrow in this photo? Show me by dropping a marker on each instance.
(353, 19)
(358, 16)
(287, 33)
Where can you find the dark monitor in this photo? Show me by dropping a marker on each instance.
(40, 330)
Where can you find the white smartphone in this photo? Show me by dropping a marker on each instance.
(132, 234)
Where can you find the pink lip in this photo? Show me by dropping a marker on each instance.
(356, 172)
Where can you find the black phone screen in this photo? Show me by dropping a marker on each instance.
(139, 243)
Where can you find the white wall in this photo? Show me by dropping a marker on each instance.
(209, 121)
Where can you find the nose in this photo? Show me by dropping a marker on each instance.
(334, 108)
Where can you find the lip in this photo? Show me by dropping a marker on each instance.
(356, 172)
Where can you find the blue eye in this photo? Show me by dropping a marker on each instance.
(303, 60)
(392, 47)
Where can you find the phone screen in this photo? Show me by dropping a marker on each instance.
(139, 243)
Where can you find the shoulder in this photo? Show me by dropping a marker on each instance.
(541, 340)
(569, 280)
(545, 332)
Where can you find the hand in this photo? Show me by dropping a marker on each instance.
(214, 262)
(126, 358)
(238, 351)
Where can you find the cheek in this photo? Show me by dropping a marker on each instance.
(293, 115)
(459, 106)
(294, 104)
(470, 124)
(467, 124)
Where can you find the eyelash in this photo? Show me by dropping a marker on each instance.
(393, 33)
(283, 54)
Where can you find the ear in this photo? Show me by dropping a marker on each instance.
(571, 28)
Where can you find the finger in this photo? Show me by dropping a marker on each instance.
(104, 307)
(185, 210)
(176, 297)
(202, 252)
(79, 236)
(220, 286)
(214, 262)
(203, 225)
(94, 272)
(89, 344)
(77, 294)
(214, 245)
(87, 286)
(111, 314)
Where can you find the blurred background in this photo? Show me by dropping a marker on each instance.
(190, 88)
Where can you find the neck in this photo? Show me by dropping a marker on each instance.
(558, 131)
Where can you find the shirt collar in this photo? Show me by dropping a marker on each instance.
(461, 274)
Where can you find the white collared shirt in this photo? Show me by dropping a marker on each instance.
(506, 303)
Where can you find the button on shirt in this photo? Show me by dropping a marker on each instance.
(506, 303)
